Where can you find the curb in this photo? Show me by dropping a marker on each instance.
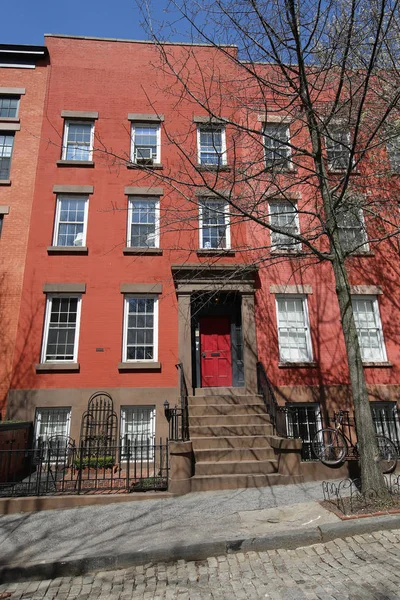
(196, 551)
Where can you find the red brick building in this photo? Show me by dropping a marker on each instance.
(23, 78)
(126, 275)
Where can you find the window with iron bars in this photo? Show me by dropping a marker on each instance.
(386, 421)
(303, 421)
(138, 429)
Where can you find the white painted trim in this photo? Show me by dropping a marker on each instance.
(296, 245)
(290, 165)
(132, 199)
(125, 329)
(154, 125)
(61, 197)
(375, 305)
(303, 298)
(67, 123)
(224, 156)
(227, 224)
(49, 300)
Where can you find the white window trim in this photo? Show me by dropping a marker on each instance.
(227, 226)
(131, 200)
(375, 305)
(156, 126)
(13, 97)
(61, 197)
(365, 246)
(296, 246)
(125, 331)
(290, 165)
(303, 298)
(328, 139)
(38, 418)
(224, 156)
(69, 122)
(49, 300)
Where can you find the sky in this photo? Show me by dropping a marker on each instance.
(28, 20)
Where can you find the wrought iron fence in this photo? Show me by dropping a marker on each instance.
(178, 416)
(277, 413)
(60, 468)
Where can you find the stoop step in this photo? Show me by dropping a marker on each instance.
(243, 467)
(231, 441)
(225, 429)
(211, 420)
(203, 483)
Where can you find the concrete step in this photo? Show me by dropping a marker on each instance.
(248, 467)
(231, 442)
(227, 409)
(224, 399)
(211, 420)
(203, 483)
(232, 454)
(227, 429)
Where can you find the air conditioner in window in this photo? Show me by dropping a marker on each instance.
(144, 156)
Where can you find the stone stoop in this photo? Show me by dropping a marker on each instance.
(233, 443)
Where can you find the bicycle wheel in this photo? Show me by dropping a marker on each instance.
(387, 454)
(329, 446)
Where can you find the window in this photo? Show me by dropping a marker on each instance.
(386, 421)
(214, 224)
(337, 149)
(211, 145)
(52, 423)
(8, 107)
(143, 222)
(71, 221)
(6, 148)
(303, 421)
(276, 144)
(393, 149)
(352, 233)
(140, 328)
(78, 140)
(369, 328)
(146, 144)
(61, 331)
(293, 329)
(283, 214)
(138, 427)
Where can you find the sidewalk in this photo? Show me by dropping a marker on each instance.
(49, 544)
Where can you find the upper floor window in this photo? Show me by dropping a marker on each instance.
(71, 221)
(211, 145)
(214, 224)
(6, 148)
(276, 145)
(143, 222)
(8, 107)
(140, 328)
(61, 330)
(293, 329)
(352, 232)
(338, 148)
(369, 328)
(146, 143)
(393, 149)
(78, 140)
(283, 214)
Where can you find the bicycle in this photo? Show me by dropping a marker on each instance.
(331, 446)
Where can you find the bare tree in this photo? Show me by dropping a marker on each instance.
(328, 73)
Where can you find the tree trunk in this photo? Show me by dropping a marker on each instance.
(371, 474)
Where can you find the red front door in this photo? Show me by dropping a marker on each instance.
(215, 348)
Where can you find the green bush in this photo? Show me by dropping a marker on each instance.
(95, 462)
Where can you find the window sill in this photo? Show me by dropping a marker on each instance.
(140, 251)
(75, 163)
(295, 365)
(276, 170)
(215, 252)
(67, 250)
(139, 366)
(213, 168)
(154, 166)
(361, 254)
(5, 182)
(342, 172)
(383, 365)
(9, 120)
(44, 367)
(287, 252)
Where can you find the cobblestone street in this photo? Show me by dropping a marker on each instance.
(363, 567)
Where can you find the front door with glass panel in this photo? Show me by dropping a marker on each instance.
(215, 351)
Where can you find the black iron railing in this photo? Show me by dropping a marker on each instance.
(129, 466)
(278, 414)
(178, 416)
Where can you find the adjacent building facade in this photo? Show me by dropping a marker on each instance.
(126, 276)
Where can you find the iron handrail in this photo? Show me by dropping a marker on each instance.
(277, 413)
(178, 417)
